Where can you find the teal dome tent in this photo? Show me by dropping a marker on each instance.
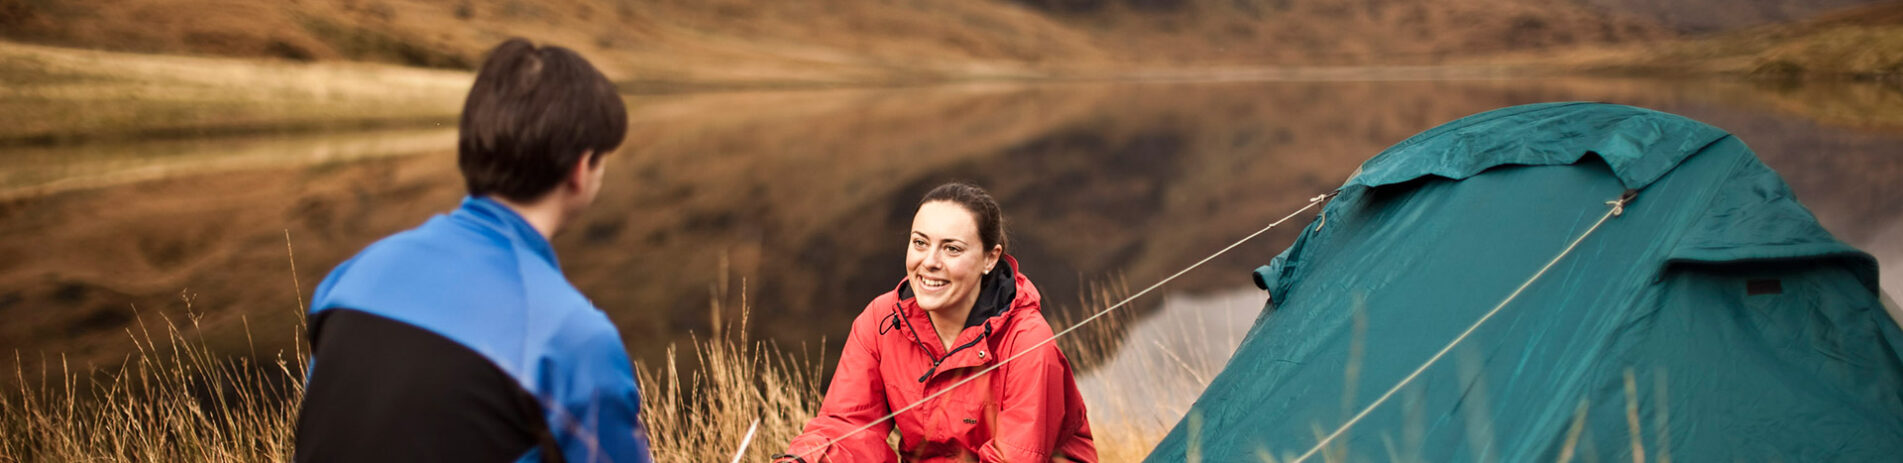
(1711, 319)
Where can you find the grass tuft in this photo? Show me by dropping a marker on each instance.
(175, 400)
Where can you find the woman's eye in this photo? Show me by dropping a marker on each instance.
(954, 250)
(918, 243)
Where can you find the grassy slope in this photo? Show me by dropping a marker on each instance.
(1860, 43)
(1857, 43)
(1284, 32)
(714, 40)
(288, 65)
(829, 40)
(1843, 68)
(139, 85)
(1707, 16)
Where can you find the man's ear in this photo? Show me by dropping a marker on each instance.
(577, 177)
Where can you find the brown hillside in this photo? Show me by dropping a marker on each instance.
(707, 41)
(1339, 32)
(1859, 43)
(829, 41)
(1882, 14)
(1707, 16)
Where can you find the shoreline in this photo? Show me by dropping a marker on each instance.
(55, 96)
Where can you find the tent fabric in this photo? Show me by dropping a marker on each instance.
(1713, 320)
(1638, 146)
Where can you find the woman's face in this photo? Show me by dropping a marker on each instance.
(944, 258)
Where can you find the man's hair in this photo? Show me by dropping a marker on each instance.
(531, 114)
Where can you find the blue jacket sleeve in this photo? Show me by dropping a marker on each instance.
(592, 399)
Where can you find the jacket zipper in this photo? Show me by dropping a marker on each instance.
(948, 354)
(900, 314)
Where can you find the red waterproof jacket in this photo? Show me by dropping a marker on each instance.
(1027, 411)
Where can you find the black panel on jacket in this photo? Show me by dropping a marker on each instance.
(385, 390)
(997, 290)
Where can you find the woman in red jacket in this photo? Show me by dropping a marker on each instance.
(962, 308)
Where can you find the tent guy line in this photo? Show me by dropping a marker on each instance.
(1616, 208)
(745, 441)
(1312, 202)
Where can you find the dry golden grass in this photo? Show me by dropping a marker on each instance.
(175, 400)
(704, 415)
(1128, 418)
(178, 400)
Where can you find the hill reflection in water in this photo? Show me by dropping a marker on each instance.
(799, 199)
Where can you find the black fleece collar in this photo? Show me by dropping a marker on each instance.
(995, 293)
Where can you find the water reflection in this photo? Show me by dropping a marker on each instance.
(799, 199)
(1171, 355)
(39, 171)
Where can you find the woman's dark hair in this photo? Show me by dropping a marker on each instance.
(983, 209)
(529, 117)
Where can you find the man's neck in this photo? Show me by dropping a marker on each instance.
(545, 216)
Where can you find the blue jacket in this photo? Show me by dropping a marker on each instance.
(483, 278)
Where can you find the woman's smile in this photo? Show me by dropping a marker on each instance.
(932, 284)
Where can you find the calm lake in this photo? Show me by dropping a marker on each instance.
(793, 204)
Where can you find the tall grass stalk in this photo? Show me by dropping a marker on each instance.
(703, 415)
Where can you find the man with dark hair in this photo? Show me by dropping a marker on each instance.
(461, 340)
